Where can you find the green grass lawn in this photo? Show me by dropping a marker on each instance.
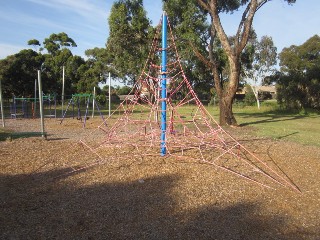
(269, 121)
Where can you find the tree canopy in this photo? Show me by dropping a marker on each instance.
(19, 71)
(299, 81)
(57, 41)
(127, 44)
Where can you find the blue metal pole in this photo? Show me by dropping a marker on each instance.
(164, 86)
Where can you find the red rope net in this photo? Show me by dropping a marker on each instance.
(192, 133)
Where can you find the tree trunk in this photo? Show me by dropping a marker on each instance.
(226, 113)
(227, 93)
(256, 94)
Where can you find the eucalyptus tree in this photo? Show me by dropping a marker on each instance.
(56, 42)
(299, 81)
(58, 56)
(226, 87)
(97, 62)
(18, 73)
(73, 74)
(92, 71)
(127, 44)
(35, 43)
(264, 59)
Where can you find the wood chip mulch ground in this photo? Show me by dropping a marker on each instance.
(149, 198)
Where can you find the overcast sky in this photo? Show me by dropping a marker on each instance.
(85, 21)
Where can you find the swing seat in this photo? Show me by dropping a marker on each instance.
(15, 115)
(50, 116)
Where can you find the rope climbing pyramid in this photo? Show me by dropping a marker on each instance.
(164, 117)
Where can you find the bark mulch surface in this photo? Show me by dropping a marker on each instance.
(148, 198)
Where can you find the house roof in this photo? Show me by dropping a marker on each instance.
(270, 89)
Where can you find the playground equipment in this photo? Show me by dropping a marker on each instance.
(50, 105)
(44, 135)
(22, 107)
(164, 86)
(1, 106)
(186, 130)
(76, 101)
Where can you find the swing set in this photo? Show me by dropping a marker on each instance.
(27, 107)
(75, 102)
(20, 107)
(50, 105)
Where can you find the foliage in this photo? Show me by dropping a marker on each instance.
(124, 90)
(190, 29)
(57, 41)
(264, 58)
(59, 56)
(105, 89)
(35, 43)
(101, 99)
(250, 98)
(88, 78)
(127, 45)
(97, 62)
(18, 73)
(299, 82)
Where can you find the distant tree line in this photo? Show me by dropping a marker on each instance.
(298, 82)
(19, 71)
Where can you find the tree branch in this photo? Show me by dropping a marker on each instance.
(260, 4)
(247, 26)
(212, 37)
(217, 24)
(216, 76)
(204, 4)
(243, 19)
(199, 55)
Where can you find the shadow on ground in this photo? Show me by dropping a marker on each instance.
(4, 136)
(267, 118)
(34, 207)
(16, 135)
